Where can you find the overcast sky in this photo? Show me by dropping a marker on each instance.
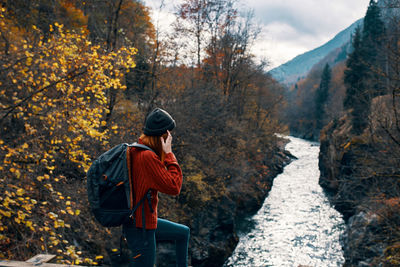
(290, 27)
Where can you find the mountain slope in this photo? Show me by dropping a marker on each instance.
(298, 67)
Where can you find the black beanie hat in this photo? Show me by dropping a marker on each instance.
(158, 122)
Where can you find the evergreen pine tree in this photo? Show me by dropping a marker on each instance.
(322, 96)
(361, 78)
(372, 40)
(374, 27)
(355, 77)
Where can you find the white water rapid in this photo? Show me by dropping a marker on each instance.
(296, 224)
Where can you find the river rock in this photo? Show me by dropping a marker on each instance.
(361, 246)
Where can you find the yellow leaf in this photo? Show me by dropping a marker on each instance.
(20, 192)
(52, 215)
(347, 145)
(6, 213)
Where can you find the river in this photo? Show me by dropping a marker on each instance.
(296, 224)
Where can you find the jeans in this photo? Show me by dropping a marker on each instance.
(143, 247)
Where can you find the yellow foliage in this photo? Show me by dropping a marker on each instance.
(56, 92)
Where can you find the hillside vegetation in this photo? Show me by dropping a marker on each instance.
(360, 136)
(77, 78)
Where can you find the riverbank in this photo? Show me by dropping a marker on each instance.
(359, 172)
(214, 226)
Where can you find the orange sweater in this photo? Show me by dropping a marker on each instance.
(148, 172)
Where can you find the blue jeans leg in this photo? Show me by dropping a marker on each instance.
(143, 250)
(179, 233)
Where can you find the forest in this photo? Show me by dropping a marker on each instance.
(78, 77)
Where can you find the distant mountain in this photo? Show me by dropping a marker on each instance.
(289, 72)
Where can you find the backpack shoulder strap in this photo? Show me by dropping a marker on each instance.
(147, 196)
(142, 146)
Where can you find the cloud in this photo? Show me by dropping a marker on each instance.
(309, 16)
(289, 27)
(279, 42)
(292, 27)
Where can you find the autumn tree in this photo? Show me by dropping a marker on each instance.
(53, 105)
(42, 13)
(206, 21)
(192, 18)
(227, 55)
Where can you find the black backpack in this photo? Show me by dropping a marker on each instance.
(109, 188)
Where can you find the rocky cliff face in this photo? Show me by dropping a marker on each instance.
(215, 226)
(360, 175)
